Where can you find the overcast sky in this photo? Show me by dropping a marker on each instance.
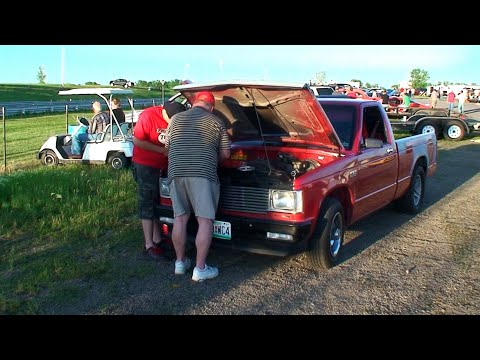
(382, 64)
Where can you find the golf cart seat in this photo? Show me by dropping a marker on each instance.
(116, 133)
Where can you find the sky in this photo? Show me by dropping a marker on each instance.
(384, 65)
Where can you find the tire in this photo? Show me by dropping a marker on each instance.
(412, 201)
(328, 236)
(454, 131)
(117, 161)
(421, 112)
(428, 127)
(49, 158)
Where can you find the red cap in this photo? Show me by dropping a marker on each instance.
(205, 96)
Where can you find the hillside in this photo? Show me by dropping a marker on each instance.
(49, 92)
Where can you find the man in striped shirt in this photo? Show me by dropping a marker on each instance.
(197, 141)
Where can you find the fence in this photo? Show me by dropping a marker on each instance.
(26, 145)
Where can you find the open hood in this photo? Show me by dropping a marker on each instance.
(268, 109)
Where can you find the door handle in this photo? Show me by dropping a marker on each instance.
(389, 150)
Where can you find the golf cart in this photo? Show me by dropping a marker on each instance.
(113, 146)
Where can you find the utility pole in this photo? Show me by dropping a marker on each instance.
(63, 66)
(163, 91)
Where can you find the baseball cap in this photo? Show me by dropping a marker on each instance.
(82, 121)
(205, 96)
(173, 108)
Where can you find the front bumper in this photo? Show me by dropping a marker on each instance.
(250, 234)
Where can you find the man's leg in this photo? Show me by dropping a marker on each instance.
(179, 235)
(203, 240)
(151, 232)
(76, 145)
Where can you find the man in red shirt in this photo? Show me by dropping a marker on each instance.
(148, 162)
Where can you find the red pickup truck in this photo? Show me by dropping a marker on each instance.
(301, 170)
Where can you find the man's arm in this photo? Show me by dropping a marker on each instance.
(147, 145)
(224, 152)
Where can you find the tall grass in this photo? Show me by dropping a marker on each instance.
(58, 226)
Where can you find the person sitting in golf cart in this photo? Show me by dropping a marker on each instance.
(99, 122)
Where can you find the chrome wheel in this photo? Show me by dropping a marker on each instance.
(336, 234)
(417, 190)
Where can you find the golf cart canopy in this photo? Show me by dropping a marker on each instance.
(96, 91)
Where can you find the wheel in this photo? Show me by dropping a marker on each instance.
(412, 201)
(49, 158)
(117, 161)
(428, 127)
(328, 236)
(453, 130)
(421, 113)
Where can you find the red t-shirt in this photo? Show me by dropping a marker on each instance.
(150, 127)
(451, 97)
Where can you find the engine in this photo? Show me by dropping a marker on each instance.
(277, 172)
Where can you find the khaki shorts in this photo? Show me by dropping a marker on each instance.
(195, 193)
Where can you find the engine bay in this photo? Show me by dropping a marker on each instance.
(278, 169)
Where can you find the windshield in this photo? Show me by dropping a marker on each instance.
(343, 120)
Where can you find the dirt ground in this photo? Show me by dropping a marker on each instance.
(391, 264)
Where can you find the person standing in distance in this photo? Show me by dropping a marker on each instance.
(148, 162)
(197, 141)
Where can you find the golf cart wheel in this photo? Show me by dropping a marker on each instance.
(117, 161)
(49, 158)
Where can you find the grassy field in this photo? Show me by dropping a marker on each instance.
(69, 235)
(76, 226)
(24, 137)
(47, 92)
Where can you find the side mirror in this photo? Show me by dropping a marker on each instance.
(373, 143)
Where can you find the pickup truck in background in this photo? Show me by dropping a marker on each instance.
(302, 170)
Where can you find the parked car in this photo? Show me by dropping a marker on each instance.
(122, 82)
(321, 90)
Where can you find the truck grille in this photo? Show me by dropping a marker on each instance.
(239, 198)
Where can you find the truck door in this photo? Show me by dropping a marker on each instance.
(377, 167)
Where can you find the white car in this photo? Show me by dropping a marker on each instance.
(114, 146)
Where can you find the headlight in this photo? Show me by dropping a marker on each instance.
(285, 201)
(164, 188)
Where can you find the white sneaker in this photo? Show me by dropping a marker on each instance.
(209, 272)
(181, 267)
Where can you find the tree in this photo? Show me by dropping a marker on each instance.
(368, 85)
(41, 76)
(355, 80)
(321, 78)
(419, 78)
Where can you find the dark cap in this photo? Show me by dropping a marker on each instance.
(173, 107)
(83, 121)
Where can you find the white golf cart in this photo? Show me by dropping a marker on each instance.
(114, 146)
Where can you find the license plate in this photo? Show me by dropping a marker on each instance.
(222, 230)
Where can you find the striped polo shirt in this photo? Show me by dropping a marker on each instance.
(194, 139)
